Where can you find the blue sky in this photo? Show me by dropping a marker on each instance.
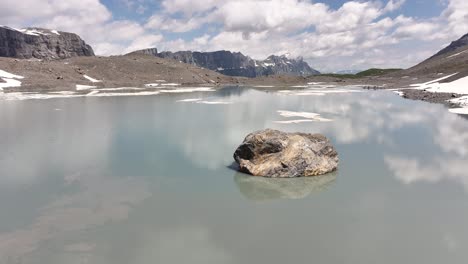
(331, 35)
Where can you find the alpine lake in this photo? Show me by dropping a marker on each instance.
(149, 179)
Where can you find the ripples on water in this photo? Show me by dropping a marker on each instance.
(145, 179)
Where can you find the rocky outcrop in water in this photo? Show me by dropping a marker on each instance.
(272, 153)
(41, 44)
(237, 64)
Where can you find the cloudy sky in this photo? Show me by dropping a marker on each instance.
(331, 35)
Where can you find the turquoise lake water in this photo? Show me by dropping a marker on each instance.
(147, 179)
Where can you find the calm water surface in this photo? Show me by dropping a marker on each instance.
(138, 180)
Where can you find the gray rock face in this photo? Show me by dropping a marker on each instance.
(152, 51)
(224, 62)
(41, 44)
(237, 64)
(284, 65)
(462, 42)
(276, 154)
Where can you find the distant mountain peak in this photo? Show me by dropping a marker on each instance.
(237, 64)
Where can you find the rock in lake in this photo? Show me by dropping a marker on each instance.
(276, 154)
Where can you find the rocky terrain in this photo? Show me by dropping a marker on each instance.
(276, 154)
(237, 64)
(115, 71)
(41, 44)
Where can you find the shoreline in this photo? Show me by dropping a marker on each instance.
(146, 75)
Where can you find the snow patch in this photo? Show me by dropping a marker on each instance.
(55, 32)
(80, 87)
(4, 74)
(264, 86)
(308, 115)
(9, 80)
(460, 111)
(9, 83)
(92, 93)
(119, 89)
(126, 94)
(214, 102)
(456, 54)
(31, 32)
(29, 96)
(298, 121)
(152, 85)
(189, 100)
(188, 90)
(310, 93)
(64, 92)
(459, 86)
(91, 79)
(318, 92)
(462, 101)
(426, 84)
(400, 93)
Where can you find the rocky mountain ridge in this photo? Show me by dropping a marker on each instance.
(237, 64)
(462, 42)
(41, 43)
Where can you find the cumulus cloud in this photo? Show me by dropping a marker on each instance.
(356, 33)
(89, 18)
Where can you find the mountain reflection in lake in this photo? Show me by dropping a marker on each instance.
(145, 179)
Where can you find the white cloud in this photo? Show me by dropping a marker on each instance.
(409, 170)
(456, 15)
(189, 7)
(143, 42)
(393, 5)
(32, 11)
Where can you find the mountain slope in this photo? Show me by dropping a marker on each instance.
(41, 43)
(237, 64)
(455, 45)
(452, 59)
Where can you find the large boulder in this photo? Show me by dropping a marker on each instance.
(272, 153)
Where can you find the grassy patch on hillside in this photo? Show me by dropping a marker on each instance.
(366, 73)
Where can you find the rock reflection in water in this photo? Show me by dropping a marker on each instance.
(264, 189)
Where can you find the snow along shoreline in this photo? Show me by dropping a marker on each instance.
(457, 87)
